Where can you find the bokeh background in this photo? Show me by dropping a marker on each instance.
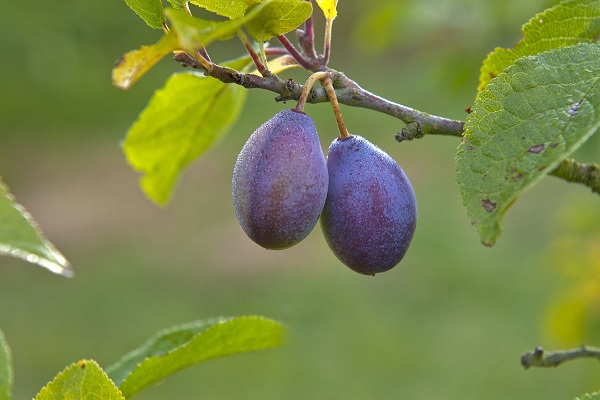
(450, 322)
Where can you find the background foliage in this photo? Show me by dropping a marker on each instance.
(449, 322)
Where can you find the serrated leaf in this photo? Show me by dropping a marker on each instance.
(6, 371)
(568, 23)
(183, 346)
(21, 237)
(179, 4)
(329, 8)
(134, 64)
(277, 17)
(522, 125)
(183, 120)
(84, 380)
(151, 11)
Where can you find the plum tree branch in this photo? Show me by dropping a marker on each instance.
(539, 358)
(348, 92)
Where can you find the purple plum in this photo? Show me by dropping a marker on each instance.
(370, 214)
(280, 181)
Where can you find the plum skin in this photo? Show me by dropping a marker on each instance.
(280, 181)
(370, 214)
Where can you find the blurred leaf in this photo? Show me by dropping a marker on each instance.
(590, 396)
(150, 11)
(20, 237)
(522, 125)
(226, 8)
(195, 33)
(183, 346)
(83, 380)
(182, 120)
(6, 371)
(178, 4)
(136, 63)
(568, 23)
(329, 8)
(277, 17)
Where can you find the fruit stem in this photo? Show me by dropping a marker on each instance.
(328, 84)
(310, 82)
(327, 45)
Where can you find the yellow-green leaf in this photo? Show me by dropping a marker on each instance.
(133, 65)
(183, 119)
(151, 11)
(276, 17)
(329, 8)
(84, 380)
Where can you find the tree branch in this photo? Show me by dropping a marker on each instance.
(586, 174)
(539, 358)
(418, 123)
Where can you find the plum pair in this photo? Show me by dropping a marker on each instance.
(282, 184)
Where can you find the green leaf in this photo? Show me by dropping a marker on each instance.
(20, 237)
(226, 8)
(590, 396)
(183, 346)
(6, 371)
(150, 11)
(178, 4)
(568, 23)
(277, 17)
(183, 120)
(329, 8)
(83, 380)
(136, 63)
(194, 33)
(526, 121)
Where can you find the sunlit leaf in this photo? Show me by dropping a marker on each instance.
(183, 120)
(20, 237)
(178, 4)
(6, 371)
(133, 65)
(566, 24)
(329, 8)
(83, 380)
(281, 64)
(277, 17)
(183, 346)
(150, 11)
(195, 33)
(522, 125)
(226, 8)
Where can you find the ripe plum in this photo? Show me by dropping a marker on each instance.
(280, 181)
(370, 213)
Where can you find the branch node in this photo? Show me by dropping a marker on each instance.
(412, 130)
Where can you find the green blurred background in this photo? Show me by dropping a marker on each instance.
(449, 322)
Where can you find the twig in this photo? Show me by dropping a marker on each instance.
(539, 358)
(348, 92)
(262, 68)
(295, 53)
(573, 171)
(306, 38)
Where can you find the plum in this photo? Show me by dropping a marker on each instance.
(370, 213)
(280, 181)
